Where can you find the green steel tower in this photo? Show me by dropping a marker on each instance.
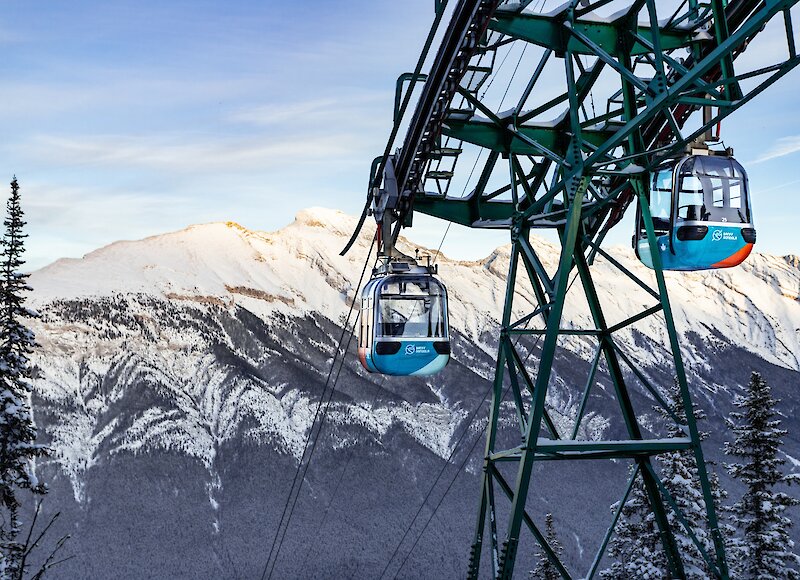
(603, 93)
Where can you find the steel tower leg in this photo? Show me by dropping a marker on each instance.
(540, 437)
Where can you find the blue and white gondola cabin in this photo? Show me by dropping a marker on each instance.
(701, 214)
(403, 328)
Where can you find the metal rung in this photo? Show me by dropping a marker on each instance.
(439, 175)
(445, 152)
(433, 195)
(463, 113)
(479, 69)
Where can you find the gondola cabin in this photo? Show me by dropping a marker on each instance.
(701, 214)
(403, 323)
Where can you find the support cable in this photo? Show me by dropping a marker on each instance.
(478, 438)
(313, 447)
(396, 126)
(316, 438)
(461, 467)
(444, 467)
(305, 467)
(457, 473)
(286, 515)
(436, 481)
(378, 388)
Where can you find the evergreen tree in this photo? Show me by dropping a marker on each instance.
(637, 544)
(545, 570)
(766, 550)
(17, 430)
(681, 478)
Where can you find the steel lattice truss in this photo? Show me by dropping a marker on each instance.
(662, 68)
(636, 84)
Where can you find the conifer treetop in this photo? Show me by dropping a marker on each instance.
(766, 550)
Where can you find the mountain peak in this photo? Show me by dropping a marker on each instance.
(321, 216)
(219, 262)
(332, 220)
(236, 226)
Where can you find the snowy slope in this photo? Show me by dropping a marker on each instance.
(188, 364)
(298, 270)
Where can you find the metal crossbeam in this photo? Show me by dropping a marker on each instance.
(547, 30)
(571, 449)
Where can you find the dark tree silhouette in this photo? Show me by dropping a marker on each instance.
(766, 550)
(18, 447)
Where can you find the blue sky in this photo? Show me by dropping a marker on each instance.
(126, 119)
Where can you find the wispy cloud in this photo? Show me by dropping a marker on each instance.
(113, 96)
(782, 147)
(188, 153)
(328, 110)
(53, 207)
(779, 186)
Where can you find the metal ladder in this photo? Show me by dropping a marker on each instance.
(443, 159)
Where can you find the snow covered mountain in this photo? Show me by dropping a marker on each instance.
(177, 378)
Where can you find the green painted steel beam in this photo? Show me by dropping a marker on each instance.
(547, 356)
(540, 539)
(488, 134)
(587, 389)
(562, 331)
(642, 191)
(581, 165)
(630, 418)
(502, 135)
(630, 446)
(473, 568)
(582, 456)
(713, 566)
(549, 31)
(572, 449)
(466, 211)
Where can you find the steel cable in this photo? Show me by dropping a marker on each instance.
(398, 120)
(282, 528)
(378, 387)
(444, 467)
(463, 463)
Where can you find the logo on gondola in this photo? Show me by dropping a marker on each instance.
(411, 349)
(716, 235)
